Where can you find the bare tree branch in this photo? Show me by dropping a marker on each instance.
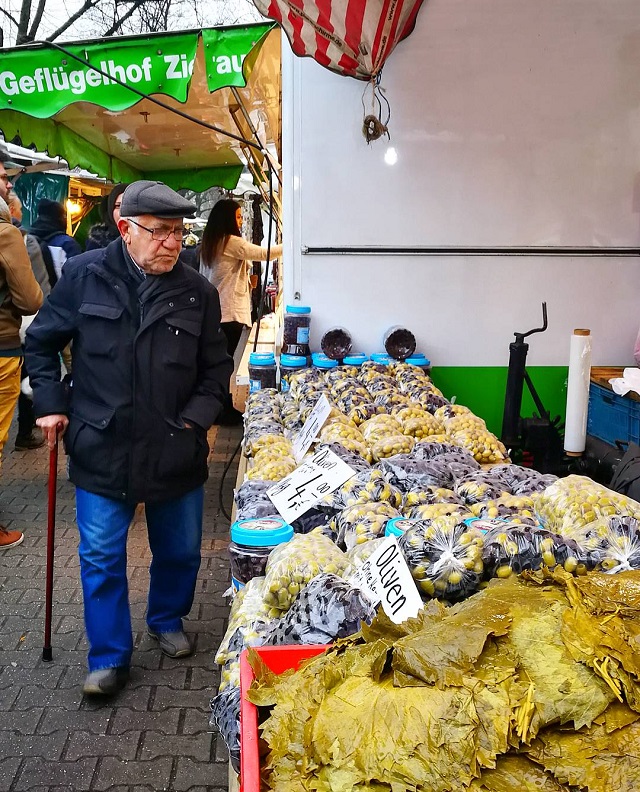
(35, 24)
(9, 16)
(23, 23)
(118, 23)
(73, 18)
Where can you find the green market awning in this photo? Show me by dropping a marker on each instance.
(73, 107)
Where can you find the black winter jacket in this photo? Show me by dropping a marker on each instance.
(147, 357)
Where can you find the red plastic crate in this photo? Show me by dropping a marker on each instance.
(278, 659)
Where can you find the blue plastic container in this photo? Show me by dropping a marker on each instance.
(382, 358)
(262, 371)
(355, 359)
(612, 417)
(296, 329)
(251, 542)
(421, 361)
(322, 362)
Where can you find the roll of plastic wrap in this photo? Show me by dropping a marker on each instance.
(575, 435)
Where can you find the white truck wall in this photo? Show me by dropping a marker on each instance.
(512, 124)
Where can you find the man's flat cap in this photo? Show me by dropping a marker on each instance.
(154, 198)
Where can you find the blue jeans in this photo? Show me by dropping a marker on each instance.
(175, 537)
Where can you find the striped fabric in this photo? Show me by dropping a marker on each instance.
(351, 37)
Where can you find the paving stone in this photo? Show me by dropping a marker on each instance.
(156, 773)
(127, 720)
(175, 678)
(167, 698)
(47, 746)
(190, 773)
(196, 722)
(197, 746)
(91, 721)
(21, 722)
(37, 772)
(48, 675)
(8, 770)
(124, 746)
(32, 696)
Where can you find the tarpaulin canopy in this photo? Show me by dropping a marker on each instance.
(351, 37)
(84, 102)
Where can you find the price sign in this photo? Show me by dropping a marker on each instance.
(385, 578)
(311, 427)
(323, 473)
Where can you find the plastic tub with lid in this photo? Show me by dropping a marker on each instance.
(251, 542)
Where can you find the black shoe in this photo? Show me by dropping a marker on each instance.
(173, 644)
(29, 442)
(106, 681)
(229, 417)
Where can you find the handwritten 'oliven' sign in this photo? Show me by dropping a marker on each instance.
(296, 493)
(385, 578)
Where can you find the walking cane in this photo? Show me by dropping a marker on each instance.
(47, 654)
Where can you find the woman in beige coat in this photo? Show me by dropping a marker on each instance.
(224, 261)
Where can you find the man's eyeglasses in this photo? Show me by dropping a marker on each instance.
(161, 234)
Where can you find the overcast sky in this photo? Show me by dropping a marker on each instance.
(187, 14)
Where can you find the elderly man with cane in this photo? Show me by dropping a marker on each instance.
(150, 374)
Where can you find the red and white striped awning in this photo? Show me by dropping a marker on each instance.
(351, 37)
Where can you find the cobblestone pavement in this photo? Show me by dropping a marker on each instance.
(154, 734)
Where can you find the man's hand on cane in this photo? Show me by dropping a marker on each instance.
(50, 424)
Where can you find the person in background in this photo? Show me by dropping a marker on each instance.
(20, 296)
(27, 438)
(150, 375)
(224, 257)
(102, 233)
(50, 229)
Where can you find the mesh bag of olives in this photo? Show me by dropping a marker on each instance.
(340, 373)
(293, 564)
(445, 558)
(429, 511)
(352, 458)
(448, 411)
(381, 384)
(418, 496)
(358, 524)
(336, 432)
(518, 509)
(611, 544)
(535, 483)
(392, 446)
(272, 451)
(407, 473)
(410, 410)
(336, 416)
(576, 501)
(363, 412)
(431, 449)
(483, 445)
(521, 480)
(225, 718)
(327, 608)
(422, 427)
(319, 516)
(361, 552)
(390, 400)
(249, 613)
(511, 549)
(268, 397)
(429, 400)
(367, 486)
(252, 501)
(479, 487)
(273, 469)
(380, 426)
(262, 433)
(360, 448)
(463, 422)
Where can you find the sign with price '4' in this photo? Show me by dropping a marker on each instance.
(296, 493)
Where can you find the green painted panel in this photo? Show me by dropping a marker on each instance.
(482, 388)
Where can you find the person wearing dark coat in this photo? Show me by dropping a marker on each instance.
(102, 233)
(150, 374)
(50, 229)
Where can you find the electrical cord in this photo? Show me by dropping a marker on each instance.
(222, 478)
